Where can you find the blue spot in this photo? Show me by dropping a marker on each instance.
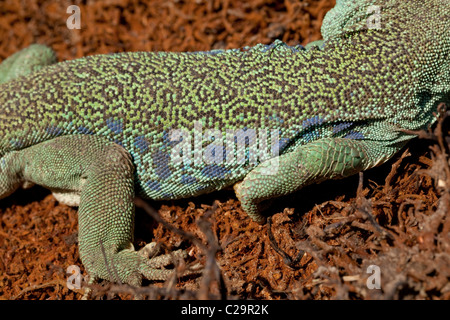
(314, 121)
(187, 179)
(202, 187)
(114, 125)
(167, 141)
(120, 143)
(166, 138)
(274, 117)
(54, 131)
(245, 135)
(354, 135)
(311, 136)
(341, 126)
(279, 43)
(216, 154)
(284, 142)
(261, 48)
(153, 185)
(161, 164)
(141, 143)
(268, 47)
(167, 196)
(297, 48)
(84, 130)
(214, 171)
(16, 143)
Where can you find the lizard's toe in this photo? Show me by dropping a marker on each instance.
(130, 267)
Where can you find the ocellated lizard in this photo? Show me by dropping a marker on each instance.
(100, 129)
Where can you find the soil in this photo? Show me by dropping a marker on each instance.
(327, 241)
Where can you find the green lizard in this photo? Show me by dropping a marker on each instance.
(271, 118)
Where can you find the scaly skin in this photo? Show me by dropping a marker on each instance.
(99, 129)
(27, 61)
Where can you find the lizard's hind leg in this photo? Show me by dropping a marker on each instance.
(323, 159)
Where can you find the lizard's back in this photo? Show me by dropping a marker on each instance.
(358, 83)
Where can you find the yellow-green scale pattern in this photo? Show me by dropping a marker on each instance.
(106, 127)
(365, 84)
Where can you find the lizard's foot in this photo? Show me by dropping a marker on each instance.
(130, 267)
(151, 252)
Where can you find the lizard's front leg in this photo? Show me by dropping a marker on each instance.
(102, 173)
(26, 61)
(330, 158)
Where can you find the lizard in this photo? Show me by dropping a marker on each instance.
(101, 129)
